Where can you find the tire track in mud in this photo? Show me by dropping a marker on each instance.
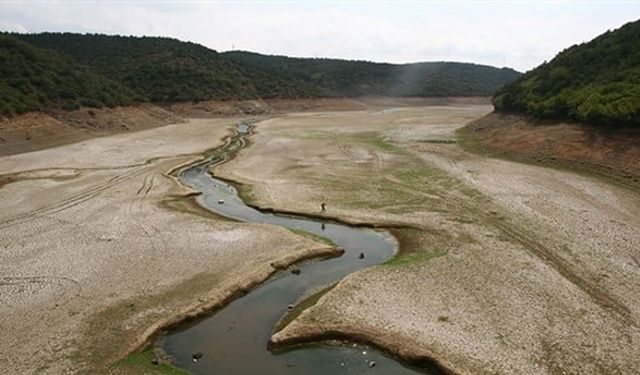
(549, 256)
(43, 280)
(135, 207)
(73, 200)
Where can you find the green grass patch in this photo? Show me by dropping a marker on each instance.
(310, 134)
(142, 363)
(375, 139)
(414, 258)
(107, 332)
(245, 192)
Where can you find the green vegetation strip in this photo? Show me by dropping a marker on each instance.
(413, 258)
(147, 362)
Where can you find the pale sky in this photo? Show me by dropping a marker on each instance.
(518, 34)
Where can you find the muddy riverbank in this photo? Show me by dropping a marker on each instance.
(518, 268)
(242, 329)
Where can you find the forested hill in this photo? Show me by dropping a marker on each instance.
(33, 79)
(157, 69)
(335, 78)
(596, 82)
(65, 70)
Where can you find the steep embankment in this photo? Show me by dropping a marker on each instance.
(36, 130)
(612, 155)
(542, 117)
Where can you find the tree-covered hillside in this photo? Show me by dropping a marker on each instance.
(158, 69)
(595, 82)
(32, 79)
(42, 71)
(280, 76)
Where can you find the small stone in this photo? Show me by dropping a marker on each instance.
(196, 356)
(296, 271)
(290, 307)
(364, 353)
(220, 201)
(155, 361)
(372, 364)
(361, 256)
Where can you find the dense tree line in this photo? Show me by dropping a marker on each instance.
(596, 82)
(33, 79)
(67, 70)
(280, 76)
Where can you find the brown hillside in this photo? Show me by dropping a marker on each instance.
(611, 153)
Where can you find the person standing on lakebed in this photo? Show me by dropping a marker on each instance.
(323, 207)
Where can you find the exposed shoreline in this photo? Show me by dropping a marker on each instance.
(410, 356)
(477, 298)
(230, 293)
(34, 131)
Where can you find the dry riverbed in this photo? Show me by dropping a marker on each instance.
(99, 247)
(515, 268)
(506, 268)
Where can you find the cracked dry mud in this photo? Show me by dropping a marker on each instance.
(524, 269)
(92, 261)
(511, 268)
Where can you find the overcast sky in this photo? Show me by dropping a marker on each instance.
(518, 34)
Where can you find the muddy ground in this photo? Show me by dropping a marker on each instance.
(515, 268)
(99, 248)
(41, 130)
(506, 267)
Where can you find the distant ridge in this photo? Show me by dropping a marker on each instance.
(66, 70)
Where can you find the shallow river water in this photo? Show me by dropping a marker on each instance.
(234, 339)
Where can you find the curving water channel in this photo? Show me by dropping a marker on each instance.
(234, 340)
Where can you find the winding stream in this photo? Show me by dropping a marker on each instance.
(234, 340)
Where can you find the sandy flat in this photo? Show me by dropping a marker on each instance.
(528, 269)
(92, 261)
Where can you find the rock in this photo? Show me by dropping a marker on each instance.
(361, 256)
(296, 271)
(372, 364)
(196, 356)
(290, 307)
(155, 361)
(220, 201)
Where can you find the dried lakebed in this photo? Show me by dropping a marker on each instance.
(234, 340)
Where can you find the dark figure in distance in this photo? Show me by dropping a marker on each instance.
(323, 207)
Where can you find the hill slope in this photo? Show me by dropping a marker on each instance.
(32, 79)
(280, 76)
(158, 69)
(139, 69)
(596, 82)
